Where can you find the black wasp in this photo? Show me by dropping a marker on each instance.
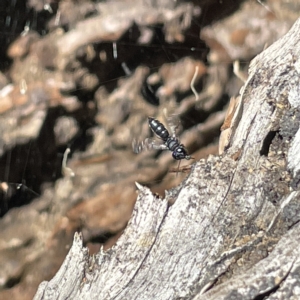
(170, 142)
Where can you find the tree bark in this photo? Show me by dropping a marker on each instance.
(231, 229)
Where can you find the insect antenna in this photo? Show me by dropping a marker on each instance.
(178, 167)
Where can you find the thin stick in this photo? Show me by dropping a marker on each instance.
(193, 83)
(67, 172)
(266, 7)
(237, 71)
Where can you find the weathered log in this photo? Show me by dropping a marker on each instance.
(231, 229)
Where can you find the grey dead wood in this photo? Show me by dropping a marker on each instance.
(233, 231)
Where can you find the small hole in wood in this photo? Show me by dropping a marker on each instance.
(267, 143)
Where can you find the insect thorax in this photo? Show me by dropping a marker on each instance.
(172, 143)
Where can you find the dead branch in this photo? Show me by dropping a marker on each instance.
(233, 231)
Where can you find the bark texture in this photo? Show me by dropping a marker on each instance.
(231, 229)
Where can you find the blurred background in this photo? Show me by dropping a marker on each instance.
(85, 75)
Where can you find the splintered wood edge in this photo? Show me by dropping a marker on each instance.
(127, 254)
(73, 268)
(132, 247)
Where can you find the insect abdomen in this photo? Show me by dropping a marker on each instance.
(158, 128)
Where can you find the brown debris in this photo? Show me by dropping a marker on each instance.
(172, 76)
(108, 211)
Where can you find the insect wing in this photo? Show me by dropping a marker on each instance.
(173, 123)
(147, 144)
